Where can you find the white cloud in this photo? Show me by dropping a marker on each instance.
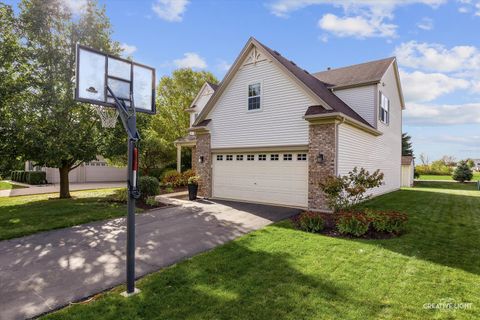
(425, 24)
(447, 114)
(463, 10)
(128, 49)
(435, 57)
(76, 7)
(223, 65)
(419, 86)
(170, 10)
(282, 8)
(191, 60)
(356, 26)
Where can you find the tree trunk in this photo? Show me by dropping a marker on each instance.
(64, 183)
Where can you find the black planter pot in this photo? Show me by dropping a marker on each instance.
(192, 191)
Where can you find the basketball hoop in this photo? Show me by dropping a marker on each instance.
(107, 115)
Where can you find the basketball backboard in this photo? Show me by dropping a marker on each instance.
(96, 70)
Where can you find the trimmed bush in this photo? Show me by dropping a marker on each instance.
(36, 177)
(172, 178)
(149, 186)
(310, 222)
(391, 222)
(355, 224)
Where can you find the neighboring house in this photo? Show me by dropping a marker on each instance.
(476, 166)
(93, 171)
(271, 131)
(408, 171)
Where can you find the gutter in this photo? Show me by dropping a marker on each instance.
(338, 116)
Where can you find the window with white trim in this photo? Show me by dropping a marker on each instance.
(274, 157)
(287, 157)
(239, 157)
(219, 157)
(262, 157)
(384, 110)
(229, 157)
(301, 157)
(254, 96)
(250, 157)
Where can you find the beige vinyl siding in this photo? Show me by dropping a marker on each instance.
(278, 122)
(361, 100)
(358, 148)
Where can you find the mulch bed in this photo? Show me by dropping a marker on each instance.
(179, 189)
(331, 230)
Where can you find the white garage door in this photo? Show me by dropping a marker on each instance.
(275, 178)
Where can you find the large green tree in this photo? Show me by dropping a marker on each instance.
(60, 132)
(14, 81)
(407, 149)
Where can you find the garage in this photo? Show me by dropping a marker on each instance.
(279, 178)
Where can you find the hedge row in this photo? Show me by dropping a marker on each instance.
(30, 177)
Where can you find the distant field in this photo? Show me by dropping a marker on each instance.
(476, 176)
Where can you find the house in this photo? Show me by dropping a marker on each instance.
(476, 165)
(272, 131)
(97, 170)
(408, 171)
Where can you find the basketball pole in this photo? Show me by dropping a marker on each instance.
(129, 120)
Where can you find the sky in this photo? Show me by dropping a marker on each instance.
(436, 42)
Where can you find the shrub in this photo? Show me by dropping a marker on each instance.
(355, 224)
(149, 186)
(120, 195)
(151, 201)
(186, 175)
(193, 180)
(310, 222)
(345, 192)
(172, 178)
(462, 172)
(391, 222)
(36, 177)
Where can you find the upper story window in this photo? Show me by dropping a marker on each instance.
(384, 110)
(254, 96)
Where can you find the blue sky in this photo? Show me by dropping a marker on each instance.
(436, 41)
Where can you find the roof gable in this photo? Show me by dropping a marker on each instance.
(317, 89)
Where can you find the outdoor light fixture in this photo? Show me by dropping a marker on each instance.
(201, 159)
(321, 158)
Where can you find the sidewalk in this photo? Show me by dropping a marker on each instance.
(53, 188)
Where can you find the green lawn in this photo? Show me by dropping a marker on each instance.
(476, 177)
(23, 215)
(4, 185)
(282, 273)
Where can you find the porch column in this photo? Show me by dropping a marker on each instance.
(179, 158)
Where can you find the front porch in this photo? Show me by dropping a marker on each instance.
(188, 141)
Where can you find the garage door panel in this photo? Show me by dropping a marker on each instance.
(270, 181)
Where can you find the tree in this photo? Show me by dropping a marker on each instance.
(424, 159)
(470, 163)
(15, 73)
(462, 172)
(407, 149)
(174, 94)
(60, 132)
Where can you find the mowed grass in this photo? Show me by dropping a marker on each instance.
(5, 185)
(24, 215)
(282, 273)
(476, 177)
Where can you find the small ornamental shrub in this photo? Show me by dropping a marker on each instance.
(120, 195)
(36, 177)
(186, 175)
(343, 193)
(391, 222)
(462, 172)
(310, 222)
(169, 190)
(151, 201)
(172, 178)
(149, 186)
(350, 223)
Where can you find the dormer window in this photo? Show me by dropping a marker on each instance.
(254, 96)
(384, 110)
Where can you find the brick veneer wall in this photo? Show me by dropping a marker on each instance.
(204, 169)
(321, 139)
(194, 159)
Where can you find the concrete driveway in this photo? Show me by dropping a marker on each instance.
(46, 271)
